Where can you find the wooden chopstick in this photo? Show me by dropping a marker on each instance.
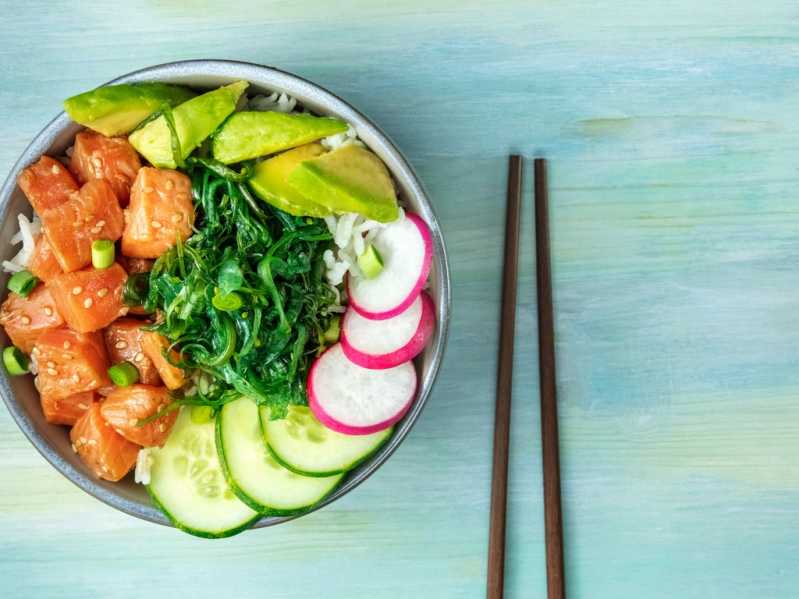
(553, 522)
(499, 482)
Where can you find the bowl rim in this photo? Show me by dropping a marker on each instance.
(401, 169)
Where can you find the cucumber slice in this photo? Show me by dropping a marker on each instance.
(252, 472)
(305, 446)
(187, 483)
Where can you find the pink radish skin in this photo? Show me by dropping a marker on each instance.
(427, 262)
(319, 398)
(411, 349)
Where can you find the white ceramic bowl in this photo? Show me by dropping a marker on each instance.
(21, 397)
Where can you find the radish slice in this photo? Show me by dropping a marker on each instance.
(406, 247)
(353, 400)
(380, 344)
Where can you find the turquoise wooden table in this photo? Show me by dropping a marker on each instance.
(672, 134)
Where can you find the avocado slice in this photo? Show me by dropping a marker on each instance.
(118, 109)
(270, 182)
(248, 135)
(348, 179)
(195, 120)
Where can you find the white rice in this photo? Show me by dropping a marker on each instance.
(199, 382)
(25, 235)
(341, 139)
(345, 229)
(351, 232)
(33, 365)
(276, 101)
(144, 463)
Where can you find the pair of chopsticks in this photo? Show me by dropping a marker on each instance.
(546, 366)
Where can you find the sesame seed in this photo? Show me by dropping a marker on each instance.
(83, 406)
(48, 310)
(52, 371)
(91, 442)
(121, 344)
(161, 427)
(35, 350)
(82, 440)
(26, 319)
(51, 365)
(169, 185)
(75, 449)
(97, 162)
(119, 432)
(156, 225)
(77, 290)
(55, 169)
(67, 345)
(100, 223)
(132, 422)
(76, 378)
(102, 292)
(139, 357)
(87, 303)
(105, 468)
(176, 218)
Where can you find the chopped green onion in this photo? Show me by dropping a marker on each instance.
(136, 288)
(331, 335)
(370, 262)
(15, 361)
(227, 302)
(103, 253)
(22, 283)
(201, 414)
(123, 374)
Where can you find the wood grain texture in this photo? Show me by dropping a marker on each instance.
(548, 387)
(671, 131)
(503, 404)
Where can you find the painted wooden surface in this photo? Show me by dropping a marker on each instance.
(672, 129)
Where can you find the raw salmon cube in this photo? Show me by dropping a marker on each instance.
(126, 406)
(154, 346)
(66, 410)
(43, 263)
(69, 362)
(112, 159)
(93, 213)
(47, 184)
(123, 341)
(90, 299)
(160, 211)
(25, 319)
(104, 451)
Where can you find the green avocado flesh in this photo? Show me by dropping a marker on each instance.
(348, 179)
(195, 120)
(118, 109)
(248, 135)
(270, 182)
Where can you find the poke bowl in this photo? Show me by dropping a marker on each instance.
(359, 362)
